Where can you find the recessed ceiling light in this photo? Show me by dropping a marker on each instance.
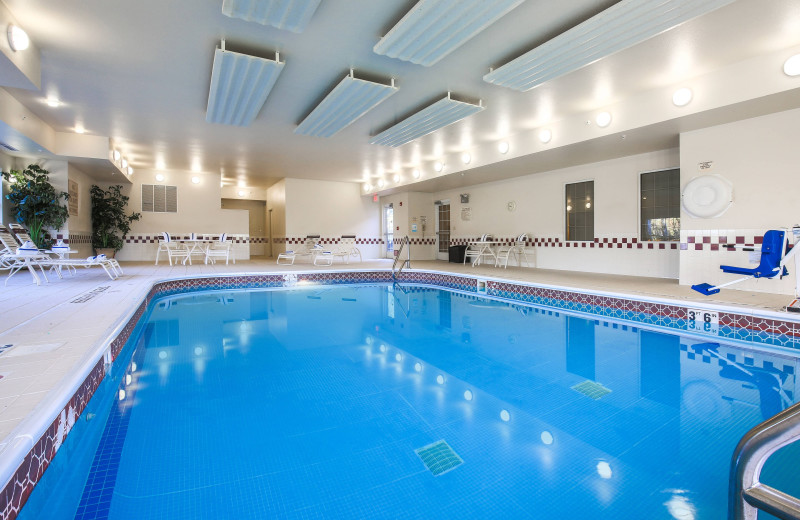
(791, 67)
(159, 177)
(195, 180)
(416, 173)
(130, 170)
(682, 97)
(466, 158)
(438, 166)
(502, 147)
(17, 38)
(381, 184)
(603, 119)
(545, 135)
(53, 102)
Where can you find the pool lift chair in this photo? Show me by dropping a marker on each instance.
(775, 255)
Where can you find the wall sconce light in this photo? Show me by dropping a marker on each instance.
(502, 147)
(791, 67)
(195, 180)
(438, 166)
(682, 97)
(159, 177)
(17, 38)
(545, 135)
(603, 119)
(466, 158)
(416, 173)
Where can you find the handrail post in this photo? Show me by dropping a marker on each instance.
(746, 495)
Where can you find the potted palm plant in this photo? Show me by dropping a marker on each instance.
(35, 203)
(110, 224)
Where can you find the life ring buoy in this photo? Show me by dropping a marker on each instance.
(707, 196)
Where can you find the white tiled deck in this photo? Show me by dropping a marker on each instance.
(52, 335)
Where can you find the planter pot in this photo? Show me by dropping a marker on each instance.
(108, 251)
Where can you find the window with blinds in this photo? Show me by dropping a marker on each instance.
(159, 199)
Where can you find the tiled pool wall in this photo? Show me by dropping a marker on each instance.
(732, 325)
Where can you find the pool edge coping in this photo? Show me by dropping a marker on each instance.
(22, 441)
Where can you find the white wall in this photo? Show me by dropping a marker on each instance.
(332, 209)
(199, 211)
(761, 158)
(540, 210)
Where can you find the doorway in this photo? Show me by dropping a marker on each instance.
(443, 230)
(257, 210)
(388, 230)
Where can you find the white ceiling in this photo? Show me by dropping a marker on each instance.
(139, 72)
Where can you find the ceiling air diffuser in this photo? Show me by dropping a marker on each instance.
(438, 115)
(622, 25)
(240, 85)
(291, 15)
(349, 100)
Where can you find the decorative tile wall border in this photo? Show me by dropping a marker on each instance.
(700, 241)
(75, 238)
(731, 326)
(600, 243)
(327, 240)
(153, 239)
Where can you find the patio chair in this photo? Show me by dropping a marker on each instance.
(219, 249)
(517, 250)
(478, 251)
(173, 249)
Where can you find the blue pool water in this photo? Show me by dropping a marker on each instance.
(328, 402)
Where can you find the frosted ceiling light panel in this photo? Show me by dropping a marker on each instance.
(240, 85)
(349, 100)
(291, 15)
(622, 25)
(438, 115)
(432, 29)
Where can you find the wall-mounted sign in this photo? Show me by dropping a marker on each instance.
(413, 228)
(705, 166)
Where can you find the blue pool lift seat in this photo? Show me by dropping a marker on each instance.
(773, 248)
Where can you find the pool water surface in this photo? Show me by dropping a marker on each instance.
(411, 402)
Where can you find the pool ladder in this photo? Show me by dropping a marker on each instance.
(746, 494)
(405, 263)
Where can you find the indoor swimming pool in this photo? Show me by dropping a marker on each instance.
(399, 401)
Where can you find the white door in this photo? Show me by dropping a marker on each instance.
(388, 230)
(443, 230)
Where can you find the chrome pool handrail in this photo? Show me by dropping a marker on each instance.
(407, 263)
(746, 493)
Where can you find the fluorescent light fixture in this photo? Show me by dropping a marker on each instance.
(444, 112)
(619, 27)
(432, 29)
(682, 97)
(466, 157)
(349, 100)
(545, 135)
(240, 85)
(603, 119)
(791, 67)
(291, 15)
(502, 147)
(17, 38)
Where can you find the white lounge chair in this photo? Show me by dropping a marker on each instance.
(347, 244)
(310, 249)
(517, 250)
(173, 249)
(220, 249)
